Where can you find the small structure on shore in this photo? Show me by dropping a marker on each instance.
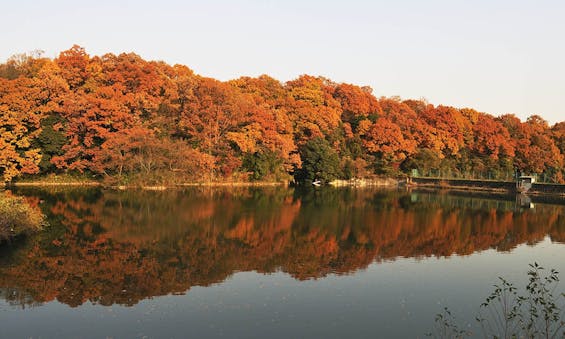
(524, 183)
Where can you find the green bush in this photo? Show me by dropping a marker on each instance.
(18, 217)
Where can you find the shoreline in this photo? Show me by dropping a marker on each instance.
(143, 187)
(485, 186)
(380, 182)
(49, 183)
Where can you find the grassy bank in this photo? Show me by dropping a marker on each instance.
(18, 217)
(56, 180)
(64, 180)
(78, 181)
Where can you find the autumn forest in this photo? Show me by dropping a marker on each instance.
(122, 119)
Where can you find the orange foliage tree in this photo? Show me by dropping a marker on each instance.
(20, 119)
(88, 114)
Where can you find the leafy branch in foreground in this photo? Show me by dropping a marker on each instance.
(539, 313)
(446, 327)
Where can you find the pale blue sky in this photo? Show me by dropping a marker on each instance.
(495, 56)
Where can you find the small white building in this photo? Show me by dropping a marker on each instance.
(524, 183)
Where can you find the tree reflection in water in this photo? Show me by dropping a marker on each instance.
(120, 247)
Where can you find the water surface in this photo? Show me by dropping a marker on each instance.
(269, 262)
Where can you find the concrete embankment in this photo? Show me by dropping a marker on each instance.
(466, 184)
(487, 185)
(542, 188)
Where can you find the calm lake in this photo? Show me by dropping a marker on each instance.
(267, 262)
